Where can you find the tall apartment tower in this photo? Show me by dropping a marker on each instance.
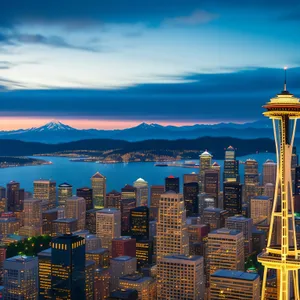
(108, 226)
(139, 223)
(155, 192)
(233, 197)
(15, 196)
(65, 191)
(172, 236)
(283, 110)
(87, 194)
(212, 185)
(68, 267)
(231, 166)
(172, 184)
(269, 172)
(21, 278)
(251, 179)
(245, 226)
(191, 200)
(180, 277)
(142, 192)
(76, 208)
(45, 190)
(225, 250)
(99, 190)
(205, 163)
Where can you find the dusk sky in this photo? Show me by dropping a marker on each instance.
(116, 63)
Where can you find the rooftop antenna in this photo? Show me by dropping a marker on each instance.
(284, 87)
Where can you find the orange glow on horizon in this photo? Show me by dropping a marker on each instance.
(13, 123)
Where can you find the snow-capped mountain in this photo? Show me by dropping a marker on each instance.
(57, 132)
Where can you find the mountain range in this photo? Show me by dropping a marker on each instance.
(57, 132)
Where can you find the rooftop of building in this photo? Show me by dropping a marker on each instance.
(232, 274)
(65, 220)
(46, 252)
(97, 175)
(205, 154)
(123, 238)
(65, 184)
(128, 187)
(123, 294)
(74, 198)
(261, 198)
(97, 251)
(214, 209)
(85, 188)
(93, 210)
(138, 278)
(141, 180)
(113, 192)
(67, 237)
(230, 148)
(183, 257)
(226, 231)
(52, 210)
(41, 180)
(21, 258)
(270, 161)
(123, 258)
(108, 210)
(238, 218)
(215, 164)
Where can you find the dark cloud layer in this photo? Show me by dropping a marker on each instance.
(219, 97)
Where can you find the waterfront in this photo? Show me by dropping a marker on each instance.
(79, 174)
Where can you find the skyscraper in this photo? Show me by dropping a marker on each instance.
(108, 226)
(15, 196)
(180, 277)
(231, 166)
(142, 192)
(44, 258)
(68, 267)
(90, 220)
(21, 278)
(225, 250)
(126, 206)
(251, 179)
(214, 217)
(113, 199)
(75, 208)
(123, 246)
(212, 185)
(204, 164)
(45, 190)
(284, 110)
(65, 191)
(191, 200)
(261, 209)
(139, 223)
(172, 234)
(232, 197)
(172, 184)
(269, 172)
(155, 192)
(99, 190)
(128, 192)
(87, 194)
(192, 177)
(227, 284)
(245, 226)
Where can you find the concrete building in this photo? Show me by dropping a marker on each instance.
(99, 190)
(251, 179)
(123, 246)
(44, 259)
(261, 209)
(76, 208)
(45, 190)
(65, 191)
(269, 172)
(142, 192)
(155, 192)
(214, 217)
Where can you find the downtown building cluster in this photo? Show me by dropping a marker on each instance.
(195, 237)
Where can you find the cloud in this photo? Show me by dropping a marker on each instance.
(5, 65)
(14, 38)
(196, 18)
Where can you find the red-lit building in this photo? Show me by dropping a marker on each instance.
(123, 246)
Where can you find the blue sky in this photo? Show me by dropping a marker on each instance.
(113, 61)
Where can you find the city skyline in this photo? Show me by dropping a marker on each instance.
(114, 65)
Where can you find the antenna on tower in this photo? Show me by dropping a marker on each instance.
(284, 87)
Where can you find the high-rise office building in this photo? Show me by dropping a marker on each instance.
(191, 200)
(3, 200)
(87, 194)
(261, 209)
(139, 223)
(127, 205)
(180, 277)
(2, 192)
(233, 197)
(142, 192)
(121, 266)
(155, 192)
(145, 286)
(48, 217)
(128, 192)
(44, 258)
(45, 190)
(144, 253)
(251, 179)
(2, 259)
(123, 246)
(204, 164)
(68, 267)
(9, 224)
(231, 166)
(90, 220)
(192, 177)
(225, 250)
(89, 279)
(269, 172)
(33, 217)
(108, 226)
(64, 226)
(76, 208)
(228, 284)
(65, 191)
(99, 256)
(15, 196)
(21, 278)
(172, 184)
(101, 284)
(113, 199)
(245, 226)
(212, 184)
(269, 190)
(172, 234)
(99, 190)
(214, 217)
(124, 294)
